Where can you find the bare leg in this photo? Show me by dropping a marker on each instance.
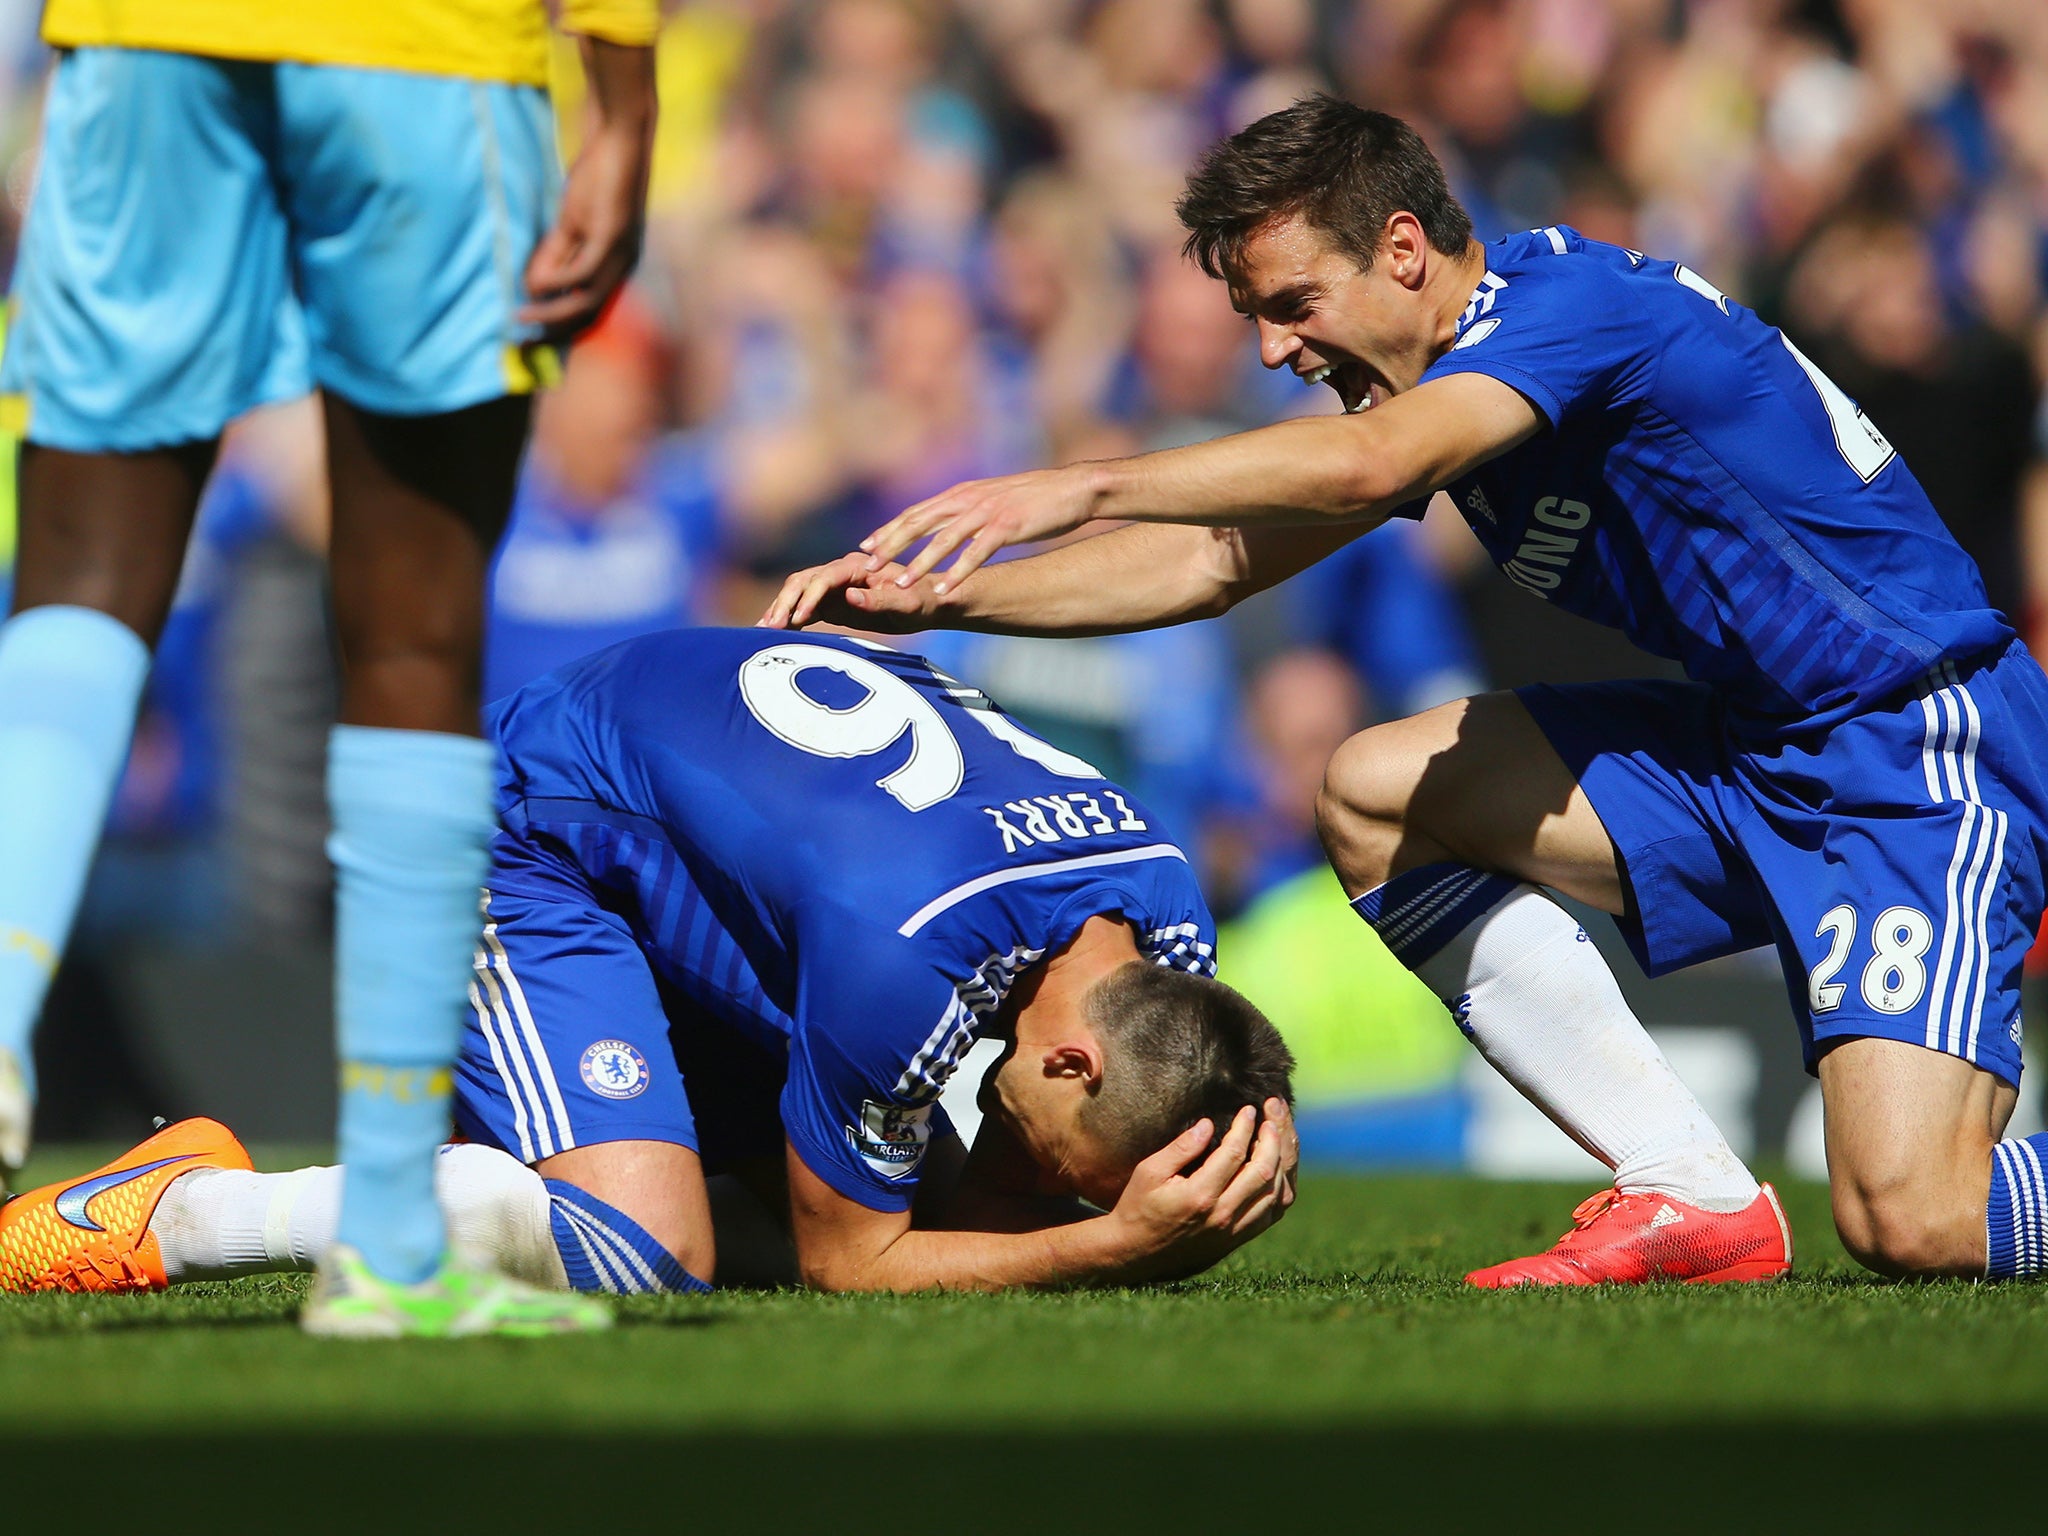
(108, 530)
(418, 505)
(1473, 781)
(1471, 790)
(1909, 1138)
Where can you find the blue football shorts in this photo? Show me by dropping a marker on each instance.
(208, 235)
(1895, 861)
(575, 1037)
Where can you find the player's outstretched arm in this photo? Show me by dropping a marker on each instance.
(1349, 469)
(1173, 1220)
(595, 242)
(1140, 577)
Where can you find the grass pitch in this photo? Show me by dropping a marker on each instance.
(1337, 1365)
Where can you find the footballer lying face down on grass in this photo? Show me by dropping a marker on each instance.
(752, 897)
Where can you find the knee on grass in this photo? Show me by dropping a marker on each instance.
(1911, 1226)
(553, 1232)
(630, 1216)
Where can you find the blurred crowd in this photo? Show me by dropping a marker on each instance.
(898, 243)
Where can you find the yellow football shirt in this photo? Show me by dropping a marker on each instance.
(474, 39)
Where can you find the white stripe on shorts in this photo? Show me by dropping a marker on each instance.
(521, 1085)
(544, 1069)
(528, 1152)
(1966, 961)
(1990, 883)
(1975, 736)
(1958, 987)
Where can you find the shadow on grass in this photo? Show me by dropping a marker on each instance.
(114, 1315)
(54, 1319)
(1895, 1476)
(630, 1316)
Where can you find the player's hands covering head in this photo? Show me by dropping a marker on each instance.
(1187, 1214)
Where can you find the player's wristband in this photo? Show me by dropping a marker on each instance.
(635, 23)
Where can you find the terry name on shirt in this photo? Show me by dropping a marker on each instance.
(1062, 818)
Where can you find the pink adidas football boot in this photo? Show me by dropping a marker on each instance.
(1629, 1239)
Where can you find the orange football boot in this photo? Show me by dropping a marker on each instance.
(1630, 1239)
(92, 1234)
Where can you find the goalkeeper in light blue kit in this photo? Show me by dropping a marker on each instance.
(238, 201)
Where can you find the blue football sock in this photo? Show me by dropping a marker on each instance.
(604, 1249)
(1418, 913)
(2016, 1215)
(70, 681)
(412, 827)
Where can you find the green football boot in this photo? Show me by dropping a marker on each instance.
(460, 1300)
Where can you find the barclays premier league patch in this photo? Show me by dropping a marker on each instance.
(614, 1069)
(890, 1137)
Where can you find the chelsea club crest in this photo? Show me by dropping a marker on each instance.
(614, 1069)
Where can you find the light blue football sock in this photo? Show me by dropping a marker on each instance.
(604, 1249)
(2016, 1215)
(70, 682)
(412, 826)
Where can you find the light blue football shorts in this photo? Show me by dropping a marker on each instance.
(207, 235)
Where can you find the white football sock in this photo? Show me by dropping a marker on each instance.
(1534, 994)
(215, 1223)
(497, 1209)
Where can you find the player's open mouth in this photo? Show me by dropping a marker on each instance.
(1352, 384)
(1358, 392)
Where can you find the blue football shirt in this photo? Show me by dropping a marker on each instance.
(570, 578)
(1705, 489)
(835, 847)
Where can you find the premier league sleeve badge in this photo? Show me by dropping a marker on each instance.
(891, 1138)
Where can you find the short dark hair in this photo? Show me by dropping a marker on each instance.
(1345, 169)
(1176, 1049)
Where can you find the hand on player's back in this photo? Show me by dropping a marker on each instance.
(845, 591)
(1179, 1220)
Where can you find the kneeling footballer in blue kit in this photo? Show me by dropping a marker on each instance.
(752, 898)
